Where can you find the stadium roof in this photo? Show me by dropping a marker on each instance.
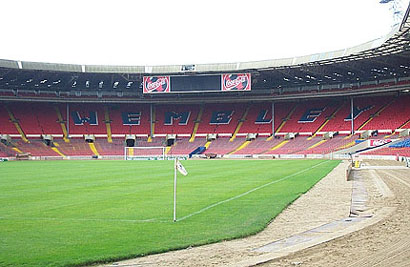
(394, 42)
(161, 32)
(386, 59)
(374, 47)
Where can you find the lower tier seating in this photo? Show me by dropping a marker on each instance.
(331, 145)
(259, 146)
(35, 147)
(116, 148)
(76, 147)
(221, 146)
(182, 146)
(393, 151)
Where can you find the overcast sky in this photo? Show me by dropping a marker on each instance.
(158, 32)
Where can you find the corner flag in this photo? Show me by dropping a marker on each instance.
(177, 166)
(181, 168)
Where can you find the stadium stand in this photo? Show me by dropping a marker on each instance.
(223, 145)
(401, 144)
(393, 117)
(293, 146)
(331, 145)
(309, 116)
(385, 151)
(35, 147)
(110, 123)
(364, 108)
(76, 147)
(114, 148)
(87, 119)
(6, 151)
(259, 117)
(175, 119)
(399, 148)
(27, 118)
(47, 118)
(183, 146)
(7, 127)
(129, 119)
(261, 145)
(221, 119)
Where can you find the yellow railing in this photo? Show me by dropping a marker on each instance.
(93, 149)
(281, 144)
(317, 144)
(62, 124)
(286, 119)
(242, 146)
(197, 121)
(238, 127)
(108, 124)
(17, 125)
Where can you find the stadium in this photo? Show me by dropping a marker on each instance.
(284, 162)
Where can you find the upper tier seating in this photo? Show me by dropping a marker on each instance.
(117, 120)
(395, 115)
(220, 118)
(309, 116)
(6, 126)
(129, 119)
(175, 119)
(90, 119)
(366, 107)
(304, 117)
(264, 113)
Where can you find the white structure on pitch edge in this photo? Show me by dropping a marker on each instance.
(147, 153)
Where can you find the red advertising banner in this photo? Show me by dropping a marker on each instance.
(236, 82)
(379, 142)
(156, 84)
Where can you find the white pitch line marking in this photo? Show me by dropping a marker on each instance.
(152, 220)
(248, 192)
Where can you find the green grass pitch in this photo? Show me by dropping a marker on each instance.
(64, 213)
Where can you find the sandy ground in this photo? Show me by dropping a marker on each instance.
(327, 201)
(386, 243)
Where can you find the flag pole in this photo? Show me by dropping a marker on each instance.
(175, 189)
